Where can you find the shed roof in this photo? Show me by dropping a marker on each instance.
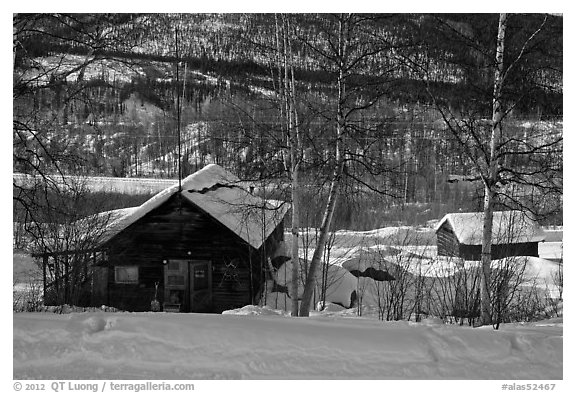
(508, 227)
(218, 193)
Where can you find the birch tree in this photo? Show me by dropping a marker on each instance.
(288, 112)
(325, 135)
(350, 48)
(491, 179)
(500, 157)
(341, 59)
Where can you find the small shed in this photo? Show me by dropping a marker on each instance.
(201, 246)
(513, 234)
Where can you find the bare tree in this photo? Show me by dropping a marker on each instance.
(287, 89)
(65, 236)
(48, 82)
(500, 157)
(323, 137)
(347, 48)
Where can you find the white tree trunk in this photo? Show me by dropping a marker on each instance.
(336, 178)
(485, 303)
(322, 239)
(491, 179)
(287, 90)
(295, 241)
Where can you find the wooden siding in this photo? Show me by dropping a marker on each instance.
(230, 285)
(179, 230)
(499, 251)
(448, 246)
(447, 242)
(99, 291)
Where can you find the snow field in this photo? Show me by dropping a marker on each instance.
(260, 343)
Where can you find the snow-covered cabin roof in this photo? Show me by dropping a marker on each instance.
(508, 227)
(221, 195)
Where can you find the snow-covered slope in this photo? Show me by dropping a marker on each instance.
(268, 345)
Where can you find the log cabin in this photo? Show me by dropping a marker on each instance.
(202, 245)
(513, 234)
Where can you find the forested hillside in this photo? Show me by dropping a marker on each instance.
(152, 95)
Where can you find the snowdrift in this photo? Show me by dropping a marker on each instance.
(263, 344)
(341, 283)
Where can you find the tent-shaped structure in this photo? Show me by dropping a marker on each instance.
(513, 234)
(197, 246)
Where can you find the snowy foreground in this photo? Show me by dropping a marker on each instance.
(260, 343)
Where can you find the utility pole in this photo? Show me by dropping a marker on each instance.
(178, 113)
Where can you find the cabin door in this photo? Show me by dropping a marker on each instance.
(200, 286)
(176, 285)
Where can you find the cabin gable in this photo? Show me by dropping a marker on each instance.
(447, 242)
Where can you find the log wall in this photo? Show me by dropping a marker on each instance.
(180, 230)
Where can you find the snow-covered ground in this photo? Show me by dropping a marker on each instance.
(264, 343)
(260, 343)
(550, 250)
(412, 250)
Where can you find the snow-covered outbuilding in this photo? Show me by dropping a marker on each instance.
(200, 246)
(513, 234)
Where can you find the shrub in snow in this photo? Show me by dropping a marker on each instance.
(27, 297)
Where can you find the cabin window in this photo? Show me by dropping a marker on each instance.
(126, 274)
